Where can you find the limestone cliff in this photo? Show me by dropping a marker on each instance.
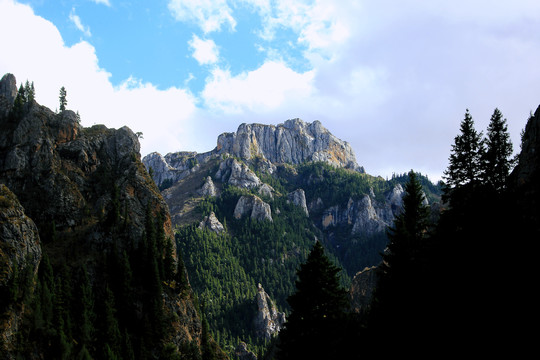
(20, 254)
(293, 142)
(253, 207)
(268, 320)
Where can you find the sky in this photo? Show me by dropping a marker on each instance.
(391, 77)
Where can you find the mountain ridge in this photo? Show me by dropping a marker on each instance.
(292, 142)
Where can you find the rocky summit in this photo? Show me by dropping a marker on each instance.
(293, 142)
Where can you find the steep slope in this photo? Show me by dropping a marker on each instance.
(100, 216)
(20, 254)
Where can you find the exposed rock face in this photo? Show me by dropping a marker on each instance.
(20, 254)
(293, 142)
(366, 215)
(209, 189)
(267, 191)
(237, 174)
(362, 287)
(254, 207)
(212, 223)
(8, 93)
(268, 321)
(298, 198)
(243, 353)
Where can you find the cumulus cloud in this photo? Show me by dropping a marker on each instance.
(76, 20)
(209, 15)
(204, 51)
(263, 89)
(134, 103)
(392, 78)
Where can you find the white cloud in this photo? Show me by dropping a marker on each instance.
(271, 86)
(161, 115)
(392, 78)
(104, 2)
(209, 15)
(204, 51)
(76, 20)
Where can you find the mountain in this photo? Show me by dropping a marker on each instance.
(79, 203)
(248, 212)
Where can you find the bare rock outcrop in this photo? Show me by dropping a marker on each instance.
(268, 321)
(208, 188)
(238, 174)
(366, 215)
(212, 223)
(20, 254)
(243, 353)
(298, 198)
(254, 207)
(293, 142)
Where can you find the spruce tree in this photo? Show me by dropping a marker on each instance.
(63, 98)
(314, 328)
(400, 289)
(466, 158)
(498, 161)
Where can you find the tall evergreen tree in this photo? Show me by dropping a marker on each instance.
(399, 288)
(498, 161)
(466, 158)
(314, 329)
(63, 98)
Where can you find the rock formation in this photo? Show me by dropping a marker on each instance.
(20, 254)
(298, 198)
(268, 321)
(367, 215)
(254, 207)
(293, 142)
(238, 174)
(209, 189)
(212, 223)
(243, 353)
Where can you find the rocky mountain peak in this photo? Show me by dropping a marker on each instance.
(292, 142)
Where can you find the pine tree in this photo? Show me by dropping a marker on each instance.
(498, 161)
(30, 91)
(466, 159)
(315, 327)
(63, 98)
(399, 289)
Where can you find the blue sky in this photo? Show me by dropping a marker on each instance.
(393, 78)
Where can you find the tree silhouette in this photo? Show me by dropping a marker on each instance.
(315, 326)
